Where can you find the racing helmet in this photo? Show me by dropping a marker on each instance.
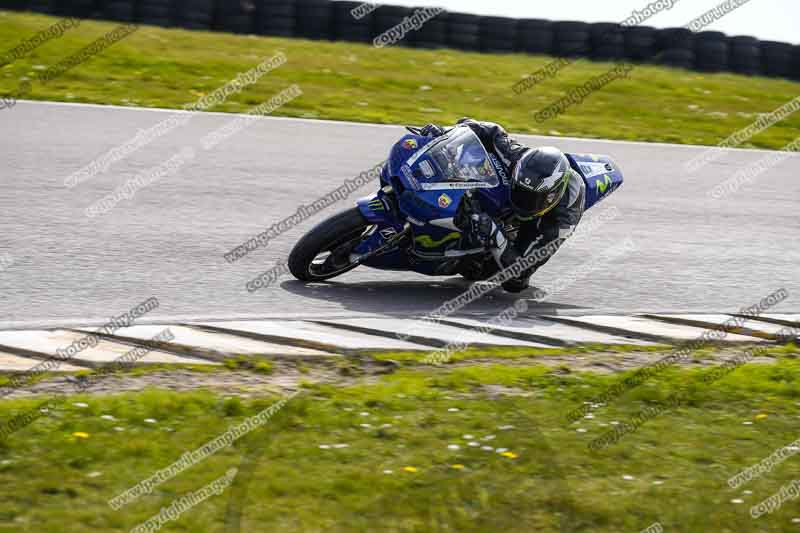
(540, 178)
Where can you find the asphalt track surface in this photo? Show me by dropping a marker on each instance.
(168, 240)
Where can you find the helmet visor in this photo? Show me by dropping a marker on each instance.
(536, 204)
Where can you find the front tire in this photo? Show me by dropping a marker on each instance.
(329, 236)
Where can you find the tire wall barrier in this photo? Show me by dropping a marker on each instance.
(355, 21)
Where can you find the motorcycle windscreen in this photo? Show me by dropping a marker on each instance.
(457, 160)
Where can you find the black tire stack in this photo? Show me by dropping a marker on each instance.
(676, 47)
(236, 16)
(75, 8)
(498, 34)
(386, 17)
(122, 10)
(154, 12)
(708, 51)
(711, 51)
(275, 17)
(571, 39)
(641, 43)
(796, 63)
(535, 36)
(744, 55)
(43, 6)
(432, 34)
(777, 59)
(348, 28)
(608, 41)
(463, 31)
(313, 19)
(195, 14)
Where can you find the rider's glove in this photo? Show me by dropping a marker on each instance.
(432, 130)
(481, 226)
(484, 228)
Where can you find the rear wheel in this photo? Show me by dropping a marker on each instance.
(324, 252)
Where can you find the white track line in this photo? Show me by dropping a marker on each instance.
(372, 125)
(54, 343)
(440, 332)
(14, 363)
(216, 342)
(318, 333)
(554, 330)
(384, 333)
(654, 327)
(719, 319)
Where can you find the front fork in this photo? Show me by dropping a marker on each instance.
(380, 208)
(381, 211)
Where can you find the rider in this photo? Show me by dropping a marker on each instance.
(546, 195)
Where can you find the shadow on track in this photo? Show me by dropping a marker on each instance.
(417, 297)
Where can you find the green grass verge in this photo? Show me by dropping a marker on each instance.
(259, 365)
(507, 352)
(236, 363)
(678, 463)
(346, 81)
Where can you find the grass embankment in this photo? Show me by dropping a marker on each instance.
(473, 353)
(399, 470)
(168, 68)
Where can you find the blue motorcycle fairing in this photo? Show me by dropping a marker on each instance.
(399, 155)
(433, 232)
(430, 212)
(375, 210)
(425, 206)
(600, 173)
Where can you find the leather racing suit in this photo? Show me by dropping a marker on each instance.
(538, 238)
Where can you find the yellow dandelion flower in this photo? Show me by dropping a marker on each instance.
(510, 455)
(457, 467)
(410, 469)
(762, 416)
(80, 435)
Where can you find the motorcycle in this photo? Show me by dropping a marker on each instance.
(408, 225)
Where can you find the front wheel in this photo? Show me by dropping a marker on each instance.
(324, 252)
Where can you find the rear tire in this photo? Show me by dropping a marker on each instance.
(324, 237)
